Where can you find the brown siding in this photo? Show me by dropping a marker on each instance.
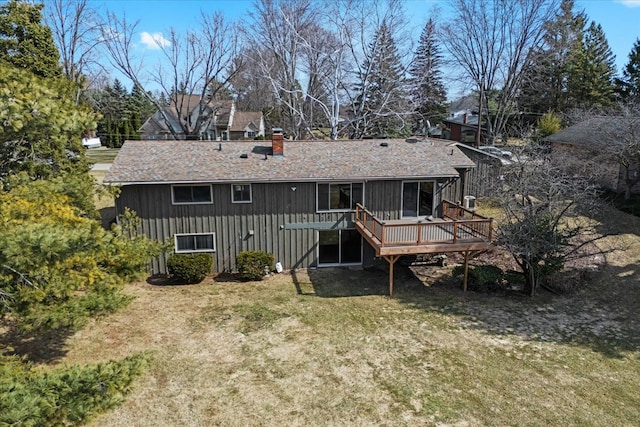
(284, 222)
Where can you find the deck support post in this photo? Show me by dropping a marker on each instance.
(466, 270)
(391, 259)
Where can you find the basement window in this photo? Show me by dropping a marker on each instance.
(198, 242)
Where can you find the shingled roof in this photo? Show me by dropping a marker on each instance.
(588, 133)
(243, 119)
(146, 162)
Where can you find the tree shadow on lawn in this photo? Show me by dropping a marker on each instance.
(41, 348)
(602, 314)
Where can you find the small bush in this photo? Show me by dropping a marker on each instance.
(482, 277)
(189, 268)
(549, 124)
(252, 264)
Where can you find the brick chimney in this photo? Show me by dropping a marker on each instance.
(277, 142)
(464, 118)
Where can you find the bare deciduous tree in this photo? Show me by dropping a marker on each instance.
(314, 54)
(251, 91)
(624, 147)
(367, 19)
(548, 216)
(491, 40)
(281, 30)
(619, 135)
(193, 65)
(75, 27)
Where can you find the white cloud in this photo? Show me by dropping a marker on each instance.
(630, 3)
(154, 41)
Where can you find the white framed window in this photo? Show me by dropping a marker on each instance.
(339, 196)
(196, 242)
(191, 194)
(252, 134)
(241, 193)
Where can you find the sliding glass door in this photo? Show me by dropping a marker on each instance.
(338, 247)
(417, 198)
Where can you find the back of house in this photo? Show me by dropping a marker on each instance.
(294, 199)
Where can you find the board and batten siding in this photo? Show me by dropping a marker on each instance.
(481, 180)
(279, 220)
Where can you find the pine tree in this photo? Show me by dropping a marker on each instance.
(382, 103)
(25, 42)
(120, 108)
(545, 80)
(590, 79)
(140, 104)
(117, 136)
(428, 92)
(42, 126)
(126, 131)
(135, 123)
(628, 87)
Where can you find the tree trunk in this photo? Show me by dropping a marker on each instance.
(530, 277)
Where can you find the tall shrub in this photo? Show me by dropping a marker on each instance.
(189, 268)
(252, 265)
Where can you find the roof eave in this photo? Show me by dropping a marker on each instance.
(284, 180)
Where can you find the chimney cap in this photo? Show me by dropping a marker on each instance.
(276, 130)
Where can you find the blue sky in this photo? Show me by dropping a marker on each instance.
(620, 19)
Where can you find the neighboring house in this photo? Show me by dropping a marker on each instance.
(579, 148)
(310, 203)
(246, 125)
(463, 128)
(220, 120)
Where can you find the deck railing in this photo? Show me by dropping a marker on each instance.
(455, 211)
(447, 230)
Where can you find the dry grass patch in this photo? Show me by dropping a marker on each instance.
(328, 347)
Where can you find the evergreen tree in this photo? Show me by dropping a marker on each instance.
(428, 92)
(117, 136)
(42, 128)
(545, 79)
(141, 105)
(25, 42)
(57, 266)
(590, 80)
(628, 87)
(382, 103)
(122, 112)
(136, 123)
(119, 101)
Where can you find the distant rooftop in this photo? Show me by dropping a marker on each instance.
(592, 133)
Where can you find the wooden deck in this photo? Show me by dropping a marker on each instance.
(459, 230)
